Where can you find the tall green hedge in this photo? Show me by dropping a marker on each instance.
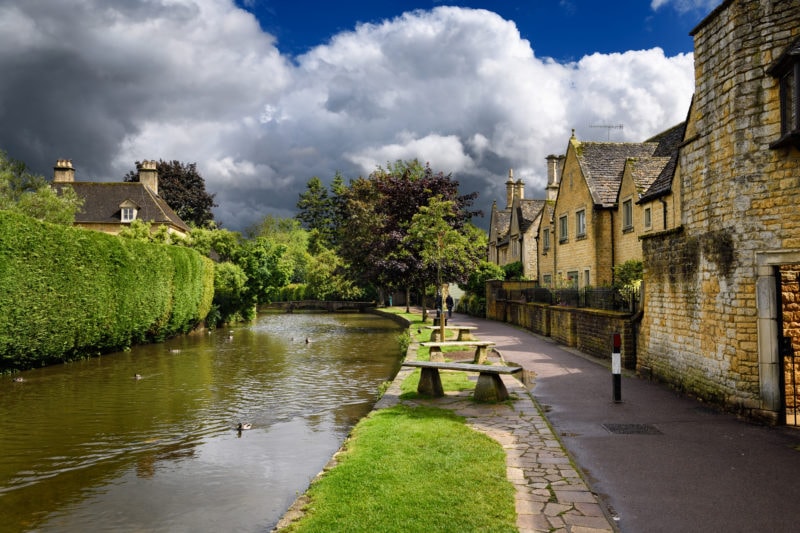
(68, 293)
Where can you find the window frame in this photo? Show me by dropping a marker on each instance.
(786, 70)
(563, 229)
(127, 214)
(627, 215)
(648, 218)
(546, 239)
(580, 224)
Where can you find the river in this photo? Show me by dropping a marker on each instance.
(91, 446)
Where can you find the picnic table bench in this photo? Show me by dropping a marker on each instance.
(464, 332)
(481, 349)
(490, 386)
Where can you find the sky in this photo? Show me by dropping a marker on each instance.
(265, 94)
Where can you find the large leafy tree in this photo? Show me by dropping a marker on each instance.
(316, 210)
(31, 194)
(184, 190)
(376, 214)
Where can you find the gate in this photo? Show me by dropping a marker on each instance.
(789, 341)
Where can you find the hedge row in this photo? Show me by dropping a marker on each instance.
(68, 293)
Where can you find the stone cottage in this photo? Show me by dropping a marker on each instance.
(111, 206)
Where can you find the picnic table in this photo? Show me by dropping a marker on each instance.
(489, 388)
(481, 349)
(464, 332)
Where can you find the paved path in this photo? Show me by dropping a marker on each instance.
(656, 462)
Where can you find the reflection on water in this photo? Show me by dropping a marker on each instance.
(89, 446)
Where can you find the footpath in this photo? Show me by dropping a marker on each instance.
(655, 462)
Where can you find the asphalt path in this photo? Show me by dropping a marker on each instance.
(658, 460)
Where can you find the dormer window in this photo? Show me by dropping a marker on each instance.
(128, 211)
(787, 70)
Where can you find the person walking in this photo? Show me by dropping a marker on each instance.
(449, 302)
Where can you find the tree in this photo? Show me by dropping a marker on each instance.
(184, 190)
(31, 194)
(445, 250)
(376, 213)
(316, 211)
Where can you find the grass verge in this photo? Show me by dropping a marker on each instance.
(410, 469)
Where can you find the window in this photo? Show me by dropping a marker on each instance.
(547, 280)
(128, 214)
(563, 229)
(648, 219)
(546, 239)
(580, 223)
(787, 70)
(627, 215)
(572, 279)
(586, 278)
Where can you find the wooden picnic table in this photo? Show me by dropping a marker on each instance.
(464, 332)
(490, 386)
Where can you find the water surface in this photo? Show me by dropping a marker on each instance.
(87, 446)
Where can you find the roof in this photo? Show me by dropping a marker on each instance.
(501, 223)
(527, 212)
(669, 145)
(645, 171)
(102, 201)
(603, 164)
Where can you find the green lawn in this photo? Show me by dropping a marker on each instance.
(413, 470)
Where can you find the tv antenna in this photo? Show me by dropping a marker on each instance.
(608, 127)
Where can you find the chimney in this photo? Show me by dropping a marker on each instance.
(63, 171)
(520, 189)
(554, 165)
(510, 189)
(148, 175)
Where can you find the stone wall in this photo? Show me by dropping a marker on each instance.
(739, 199)
(589, 330)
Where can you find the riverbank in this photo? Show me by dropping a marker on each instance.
(549, 493)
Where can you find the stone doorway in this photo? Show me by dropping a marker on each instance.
(789, 341)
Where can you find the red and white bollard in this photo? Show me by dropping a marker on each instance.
(616, 368)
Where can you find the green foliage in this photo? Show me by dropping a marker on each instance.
(31, 195)
(472, 304)
(316, 211)
(232, 300)
(628, 278)
(68, 293)
(513, 271)
(484, 272)
(327, 279)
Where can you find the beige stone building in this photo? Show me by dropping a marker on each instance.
(723, 254)
(513, 230)
(595, 219)
(111, 206)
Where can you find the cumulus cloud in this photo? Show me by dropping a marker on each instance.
(109, 82)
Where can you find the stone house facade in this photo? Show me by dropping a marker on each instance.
(720, 296)
(513, 230)
(596, 218)
(111, 206)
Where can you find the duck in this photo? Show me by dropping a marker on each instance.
(137, 376)
(244, 426)
(19, 379)
(308, 341)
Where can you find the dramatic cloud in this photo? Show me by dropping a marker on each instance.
(106, 83)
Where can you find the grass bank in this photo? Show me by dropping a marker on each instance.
(413, 469)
